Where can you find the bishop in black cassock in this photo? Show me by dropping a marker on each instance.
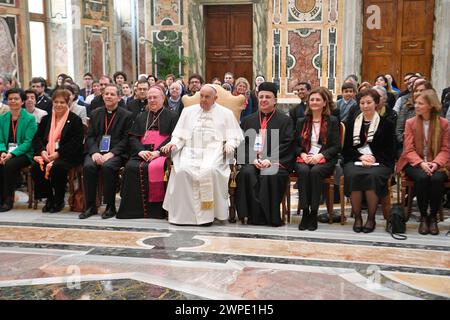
(262, 179)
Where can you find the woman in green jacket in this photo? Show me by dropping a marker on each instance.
(17, 129)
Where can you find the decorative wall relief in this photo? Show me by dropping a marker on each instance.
(96, 50)
(305, 48)
(304, 11)
(167, 12)
(8, 50)
(96, 9)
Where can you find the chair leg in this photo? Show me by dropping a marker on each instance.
(288, 201)
(330, 203)
(30, 190)
(399, 179)
(410, 198)
(441, 214)
(342, 199)
(232, 208)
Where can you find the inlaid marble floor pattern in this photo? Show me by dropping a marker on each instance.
(58, 256)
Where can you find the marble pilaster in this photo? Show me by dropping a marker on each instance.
(440, 70)
(352, 38)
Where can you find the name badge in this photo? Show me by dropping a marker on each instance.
(258, 147)
(365, 150)
(105, 144)
(12, 147)
(315, 149)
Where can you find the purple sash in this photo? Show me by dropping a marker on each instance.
(156, 189)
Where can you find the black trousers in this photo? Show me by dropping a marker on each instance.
(429, 190)
(109, 171)
(55, 187)
(310, 183)
(9, 174)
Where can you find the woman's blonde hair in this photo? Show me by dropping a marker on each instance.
(242, 80)
(431, 98)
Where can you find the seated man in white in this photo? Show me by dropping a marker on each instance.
(205, 135)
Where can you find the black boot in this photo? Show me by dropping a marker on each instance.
(312, 224)
(7, 204)
(305, 220)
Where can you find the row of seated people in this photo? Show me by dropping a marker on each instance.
(312, 150)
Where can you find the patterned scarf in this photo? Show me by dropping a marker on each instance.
(372, 128)
(306, 133)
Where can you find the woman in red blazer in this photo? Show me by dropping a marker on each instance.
(426, 157)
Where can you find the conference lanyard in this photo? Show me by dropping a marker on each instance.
(108, 125)
(14, 128)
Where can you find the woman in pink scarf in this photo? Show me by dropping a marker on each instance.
(58, 146)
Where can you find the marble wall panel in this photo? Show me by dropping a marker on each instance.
(305, 48)
(127, 52)
(8, 49)
(97, 50)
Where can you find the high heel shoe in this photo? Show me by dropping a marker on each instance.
(357, 226)
(369, 226)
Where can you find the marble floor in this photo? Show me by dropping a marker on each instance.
(60, 257)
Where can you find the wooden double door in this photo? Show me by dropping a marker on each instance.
(229, 41)
(404, 41)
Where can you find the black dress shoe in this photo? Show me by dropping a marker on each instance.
(92, 211)
(305, 220)
(110, 212)
(48, 206)
(7, 205)
(57, 207)
(312, 223)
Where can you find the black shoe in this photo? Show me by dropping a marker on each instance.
(110, 212)
(312, 223)
(57, 207)
(7, 204)
(357, 226)
(92, 211)
(369, 226)
(305, 220)
(48, 206)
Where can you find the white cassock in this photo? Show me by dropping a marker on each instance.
(197, 191)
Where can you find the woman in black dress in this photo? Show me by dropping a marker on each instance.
(368, 158)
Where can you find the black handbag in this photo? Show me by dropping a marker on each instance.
(396, 223)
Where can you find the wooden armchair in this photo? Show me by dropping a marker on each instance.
(407, 186)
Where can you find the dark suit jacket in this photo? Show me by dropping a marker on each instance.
(382, 144)
(329, 150)
(83, 93)
(71, 143)
(297, 113)
(118, 131)
(136, 107)
(45, 103)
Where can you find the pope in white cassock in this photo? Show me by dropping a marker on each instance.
(197, 191)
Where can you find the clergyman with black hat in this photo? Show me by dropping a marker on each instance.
(267, 159)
